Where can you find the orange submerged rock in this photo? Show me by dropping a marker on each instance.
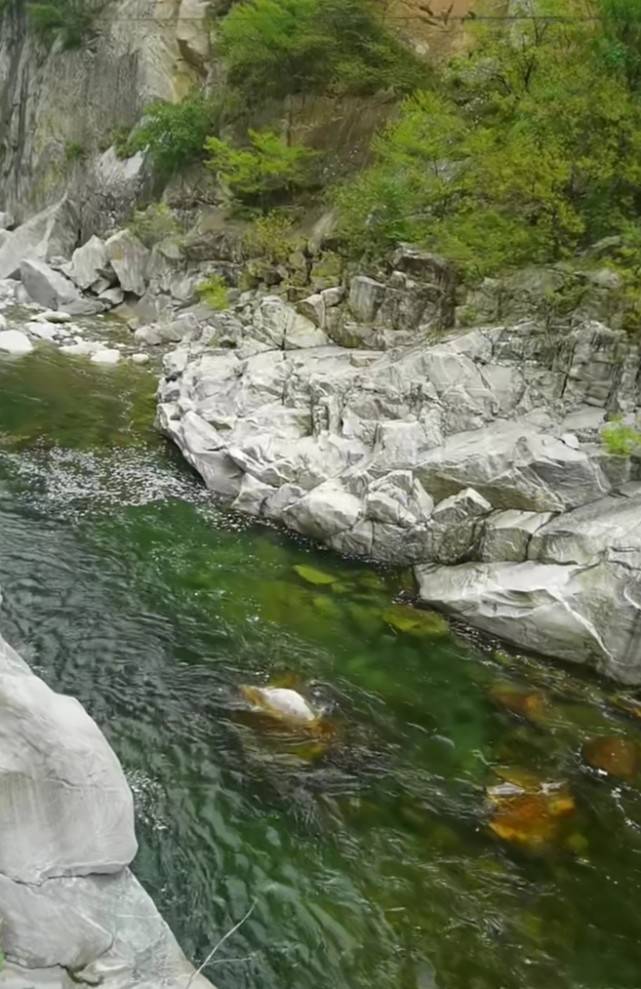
(613, 755)
(528, 811)
(528, 704)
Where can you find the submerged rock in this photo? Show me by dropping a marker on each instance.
(415, 621)
(528, 704)
(616, 756)
(527, 811)
(313, 576)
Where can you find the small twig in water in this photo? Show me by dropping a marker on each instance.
(218, 945)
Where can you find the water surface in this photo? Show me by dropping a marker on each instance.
(366, 849)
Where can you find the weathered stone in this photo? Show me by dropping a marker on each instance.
(507, 535)
(365, 297)
(47, 234)
(89, 263)
(67, 809)
(607, 528)
(590, 615)
(129, 259)
(324, 511)
(53, 290)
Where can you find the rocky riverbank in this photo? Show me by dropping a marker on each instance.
(474, 455)
(369, 414)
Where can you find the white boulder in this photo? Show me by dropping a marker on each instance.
(129, 259)
(15, 342)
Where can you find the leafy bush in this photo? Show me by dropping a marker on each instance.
(214, 292)
(153, 224)
(74, 151)
(528, 152)
(272, 237)
(174, 133)
(274, 48)
(269, 170)
(620, 440)
(70, 20)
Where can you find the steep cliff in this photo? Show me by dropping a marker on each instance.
(61, 110)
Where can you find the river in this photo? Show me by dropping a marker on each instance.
(366, 849)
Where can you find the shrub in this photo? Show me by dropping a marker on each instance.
(153, 224)
(620, 440)
(70, 20)
(74, 151)
(274, 48)
(174, 133)
(528, 152)
(214, 292)
(269, 170)
(272, 237)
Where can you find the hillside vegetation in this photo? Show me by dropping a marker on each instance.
(524, 148)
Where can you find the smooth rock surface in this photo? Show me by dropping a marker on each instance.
(70, 910)
(53, 290)
(15, 342)
(129, 258)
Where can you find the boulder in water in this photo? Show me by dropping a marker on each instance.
(415, 621)
(281, 703)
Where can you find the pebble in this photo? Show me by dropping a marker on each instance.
(140, 358)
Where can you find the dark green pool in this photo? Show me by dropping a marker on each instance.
(368, 851)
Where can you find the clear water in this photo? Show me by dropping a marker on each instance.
(367, 851)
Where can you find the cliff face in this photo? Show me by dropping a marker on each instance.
(60, 111)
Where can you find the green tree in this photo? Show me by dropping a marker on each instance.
(621, 40)
(274, 48)
(269, 170)
(531, 150)
(174, 133)
(70, 20)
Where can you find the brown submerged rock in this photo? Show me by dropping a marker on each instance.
(528, 704)
(613, 755)
(527, 811)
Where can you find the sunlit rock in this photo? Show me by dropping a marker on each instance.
(311, 575)
(415, 621)
(280, 702)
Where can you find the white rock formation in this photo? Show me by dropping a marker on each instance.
(477, 454)
(15, 342)
(70, 910)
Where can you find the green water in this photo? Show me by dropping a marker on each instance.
(367, 852)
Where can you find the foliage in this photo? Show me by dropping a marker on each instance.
(272, 237)
(530, 150)
(214, 292)
(274, 48)
(69, 20)
(620, 440)
(174, 133)
(620, 44)
(270, 169)
(74, 151)
(153, 224)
